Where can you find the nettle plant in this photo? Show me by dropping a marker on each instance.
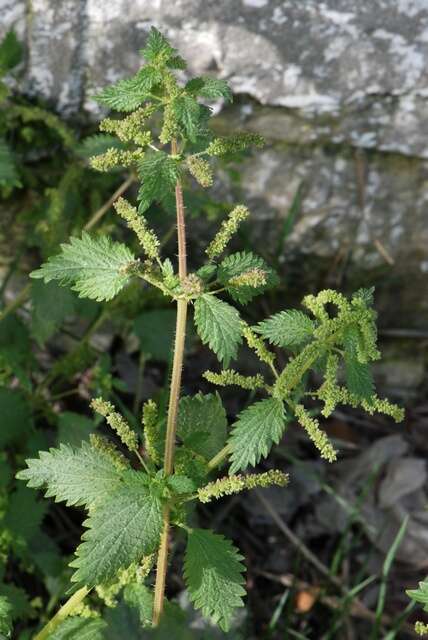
(134, 501)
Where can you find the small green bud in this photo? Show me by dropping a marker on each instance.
(421, 628)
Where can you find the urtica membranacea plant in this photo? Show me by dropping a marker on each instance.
(136, 500)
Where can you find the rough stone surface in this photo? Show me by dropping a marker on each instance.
(339, 89)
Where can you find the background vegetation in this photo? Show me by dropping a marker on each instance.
(321, 574)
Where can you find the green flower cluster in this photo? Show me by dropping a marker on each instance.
(257, 345)
(135, 221)
(230, 377)
(200, 169)
(232, 144)
(228, 228)
(129, 129)
(318, 437)
(115, 158)
(236, 483)
(106, 446)
(117, 422)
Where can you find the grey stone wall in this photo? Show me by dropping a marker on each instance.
(340, 89)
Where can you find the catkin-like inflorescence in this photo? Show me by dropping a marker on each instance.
(228, 228)
(232, 144)
(230, 377)
(330, 392)
(318, 437)
(115, 158)
(170, 127)
(382, 405)
(252, 278)
(200, 169)
(102, 444)
(116, 422)
(236, 483)
(129, 129)
(138, 224)
(151, 431)
(256, 344)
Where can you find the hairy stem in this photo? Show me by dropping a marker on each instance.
(62, 614)
(174, 396)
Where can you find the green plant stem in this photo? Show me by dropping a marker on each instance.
(174, 396)
(219, 457)
(62, 614)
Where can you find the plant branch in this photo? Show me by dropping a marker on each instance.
(180, 336)
(71, 604)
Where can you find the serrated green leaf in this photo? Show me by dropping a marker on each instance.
(15, 414)
(5, 616)
(191, 117)
(359, 379)
(258, 427)
(218, 325)
(11, 52)
(210, 88)
(50, 306)
(128, 94)
(8, 171)
(366, 295)
(81, 476)
(213, 574)
(159, 51)
(291, 328)
(202, 424)
(237, 264)
(95, 266)
(159, 173)
(77, 628)
(122, 529)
